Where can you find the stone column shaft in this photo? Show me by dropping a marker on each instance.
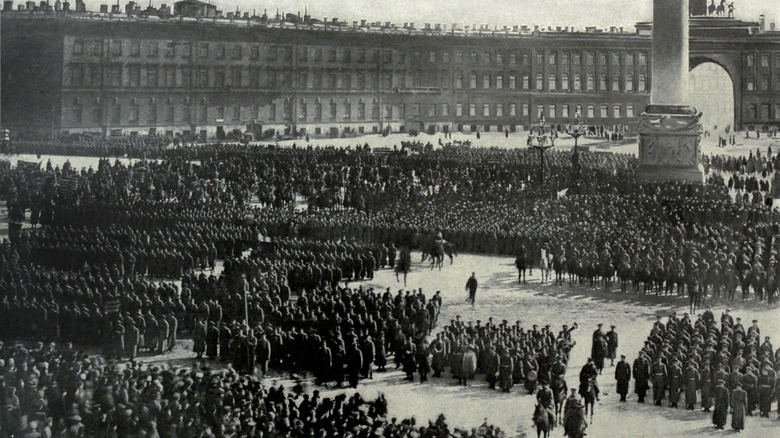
(670, 52)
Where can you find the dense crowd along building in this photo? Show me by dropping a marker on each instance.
(204, 73)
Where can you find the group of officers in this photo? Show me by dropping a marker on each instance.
(507, 354)
(722, 363)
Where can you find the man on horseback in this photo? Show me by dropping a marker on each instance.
(588, 374)
(546, 398)
(574, 423)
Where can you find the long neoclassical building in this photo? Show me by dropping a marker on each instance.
(110, 73)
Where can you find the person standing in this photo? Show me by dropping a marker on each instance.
(692, 381)
(492, 367)
(199, 338)
(706, 386)
(720, 413)
(471, 286)
(612, 345)
(675, 383)
(738, 408)
(659, 381)
(623, 377)
(131, 340)
(368, 349)
(263, 353)
(505, 371)
(163, 331)
(766, 385)
(173, 326)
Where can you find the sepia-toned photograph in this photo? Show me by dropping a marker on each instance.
(399, 219)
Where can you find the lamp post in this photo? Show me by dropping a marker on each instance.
(541, 139)
(576, 132)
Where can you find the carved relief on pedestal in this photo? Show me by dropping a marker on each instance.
(671, 139)
(666, 150)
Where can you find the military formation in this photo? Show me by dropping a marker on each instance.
(716, 364)
(506, 354)
(257, 254)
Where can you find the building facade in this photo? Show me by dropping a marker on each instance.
(204, 78)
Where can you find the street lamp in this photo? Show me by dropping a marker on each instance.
(541, 139)
(576, 132)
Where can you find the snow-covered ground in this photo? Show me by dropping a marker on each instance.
(501, 297)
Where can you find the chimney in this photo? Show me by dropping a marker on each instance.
(8, 5)
(762, 22)
(772, 26)
(427, 26)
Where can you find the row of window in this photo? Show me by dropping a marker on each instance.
(345, 108)
(551, 111)
(763, 83)
(177, 112)
(90, 75)
(765, 59)
(552, 58)
(235, 51)
(762, 112)
(565, 82)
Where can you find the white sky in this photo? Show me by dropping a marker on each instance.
(579, 13)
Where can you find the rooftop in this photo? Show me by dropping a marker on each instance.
(133, 13)
(727, 27)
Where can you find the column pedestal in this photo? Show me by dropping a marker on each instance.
(670, 144)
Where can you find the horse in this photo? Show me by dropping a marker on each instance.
(559, 389)
(574, 423)
(403, 263)
(544, 267)
(542, 421)
(520, 264)
(589, 397)
(721, 9)
(438, 251)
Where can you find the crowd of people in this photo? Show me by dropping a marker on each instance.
(54, 390)
(266, 284)
(716, 364)
(507, 354)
